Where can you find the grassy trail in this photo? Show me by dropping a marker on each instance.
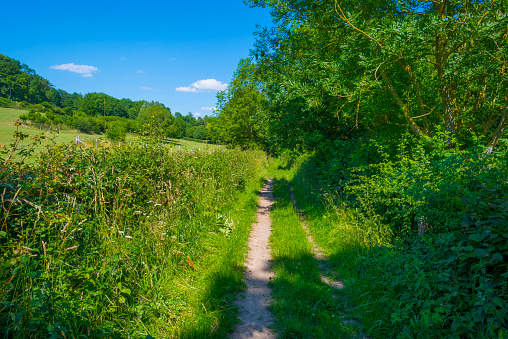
(306, 302)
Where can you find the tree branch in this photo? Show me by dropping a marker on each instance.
(414, 127)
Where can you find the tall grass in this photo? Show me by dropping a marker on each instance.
(128, 241)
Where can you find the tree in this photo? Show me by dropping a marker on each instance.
(386, 66)
(199, 132)
(157, 122)
(240, 107)
(116, 133)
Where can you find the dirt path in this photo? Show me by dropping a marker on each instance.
(252, 304)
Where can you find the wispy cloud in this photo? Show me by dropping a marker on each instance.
(86, 71)
(140, 71)
(147, 88)
(196, 114)
(206, 85)
(123, 58)
(208, 108)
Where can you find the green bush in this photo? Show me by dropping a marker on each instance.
(4, 102)
(100, 242)
(116, 133)
(450, 282)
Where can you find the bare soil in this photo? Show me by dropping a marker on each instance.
(255, 318)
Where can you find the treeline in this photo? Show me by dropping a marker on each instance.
(21, 87)
(402, 109)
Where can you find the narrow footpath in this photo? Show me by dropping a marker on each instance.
(256, 319)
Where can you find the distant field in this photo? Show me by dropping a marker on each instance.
(7, 129)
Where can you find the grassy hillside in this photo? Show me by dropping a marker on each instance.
(7, 130)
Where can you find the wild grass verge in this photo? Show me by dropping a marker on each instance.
(127, 242)
(303, 305)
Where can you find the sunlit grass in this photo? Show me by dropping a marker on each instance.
(66, 135)
(303, 305)
(125, 241)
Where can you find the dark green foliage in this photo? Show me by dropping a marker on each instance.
(20, 83)
(449, 281)
(336, 69)
(240, 108)
(4, 102)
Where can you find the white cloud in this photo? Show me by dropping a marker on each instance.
(206, 85)
(123, 58)
(196, 114)
(147, 88)
(86, 71)
(140, 72)
(210, 85)
(186, 89)
(208, 108)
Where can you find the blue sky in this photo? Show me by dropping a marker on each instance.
(175, 52)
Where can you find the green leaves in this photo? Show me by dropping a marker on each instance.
(97, 235)
(240, 108)
(338, 69)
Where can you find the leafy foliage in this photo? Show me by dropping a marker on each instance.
(95, 242)
(240, 107)
(333, 69)
(427, 239)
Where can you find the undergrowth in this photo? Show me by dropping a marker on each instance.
(419, 237)
(131, 241)
(303, 305)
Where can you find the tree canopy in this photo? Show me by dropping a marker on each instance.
(240, 107)
(333, 69)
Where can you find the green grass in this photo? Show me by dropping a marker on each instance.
(66, 136)
(347, 238)
(125, 242)
(191, 145)
(303, 305)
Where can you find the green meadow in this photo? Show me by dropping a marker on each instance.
(9, 116)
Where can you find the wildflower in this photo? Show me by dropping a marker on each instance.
(158, 204)
(128, 237)
(137, 211)
(121, 232)
(163, 233)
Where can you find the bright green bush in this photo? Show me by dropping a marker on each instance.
(4, 102)
(116, 133)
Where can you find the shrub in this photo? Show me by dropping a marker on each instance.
(116, 133)
(97, 237)
(4, 102)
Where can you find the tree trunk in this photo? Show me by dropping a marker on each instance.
(498, 133)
